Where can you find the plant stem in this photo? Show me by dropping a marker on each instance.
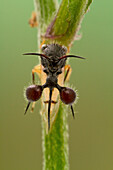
(46, 10)
(55, 143)
(66, 24)
(58, 27)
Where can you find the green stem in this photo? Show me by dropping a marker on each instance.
(67, 22)
(55, 143)
(58, 27)
(46, 10)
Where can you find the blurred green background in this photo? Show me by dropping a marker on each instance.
(91, 133)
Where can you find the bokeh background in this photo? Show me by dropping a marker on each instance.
(91, 133)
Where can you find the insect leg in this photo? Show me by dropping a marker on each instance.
(33, 106)
(36, 69)
(68, 70)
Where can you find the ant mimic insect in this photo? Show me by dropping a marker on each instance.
(53, 61)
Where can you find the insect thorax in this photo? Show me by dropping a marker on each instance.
(53, 65)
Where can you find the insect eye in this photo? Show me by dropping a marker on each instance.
(34, 92)
(44, 46)
(67, 95)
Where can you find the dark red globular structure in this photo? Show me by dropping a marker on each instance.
(67, 95)
(33, 93)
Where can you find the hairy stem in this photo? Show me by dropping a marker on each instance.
(66, 24)
(46, 10)
(55, 143)
(59, 27)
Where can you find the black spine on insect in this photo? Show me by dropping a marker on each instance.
(49, 107)
(53, 60)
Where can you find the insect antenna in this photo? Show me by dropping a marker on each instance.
(49, 106)
(66, 56)
(72, 111)
(41, 55)
(27, 107)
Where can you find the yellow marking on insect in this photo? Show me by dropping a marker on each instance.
(68, 49)
(43, 42)
(69, 69)
(33, 106)
(37, 69)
